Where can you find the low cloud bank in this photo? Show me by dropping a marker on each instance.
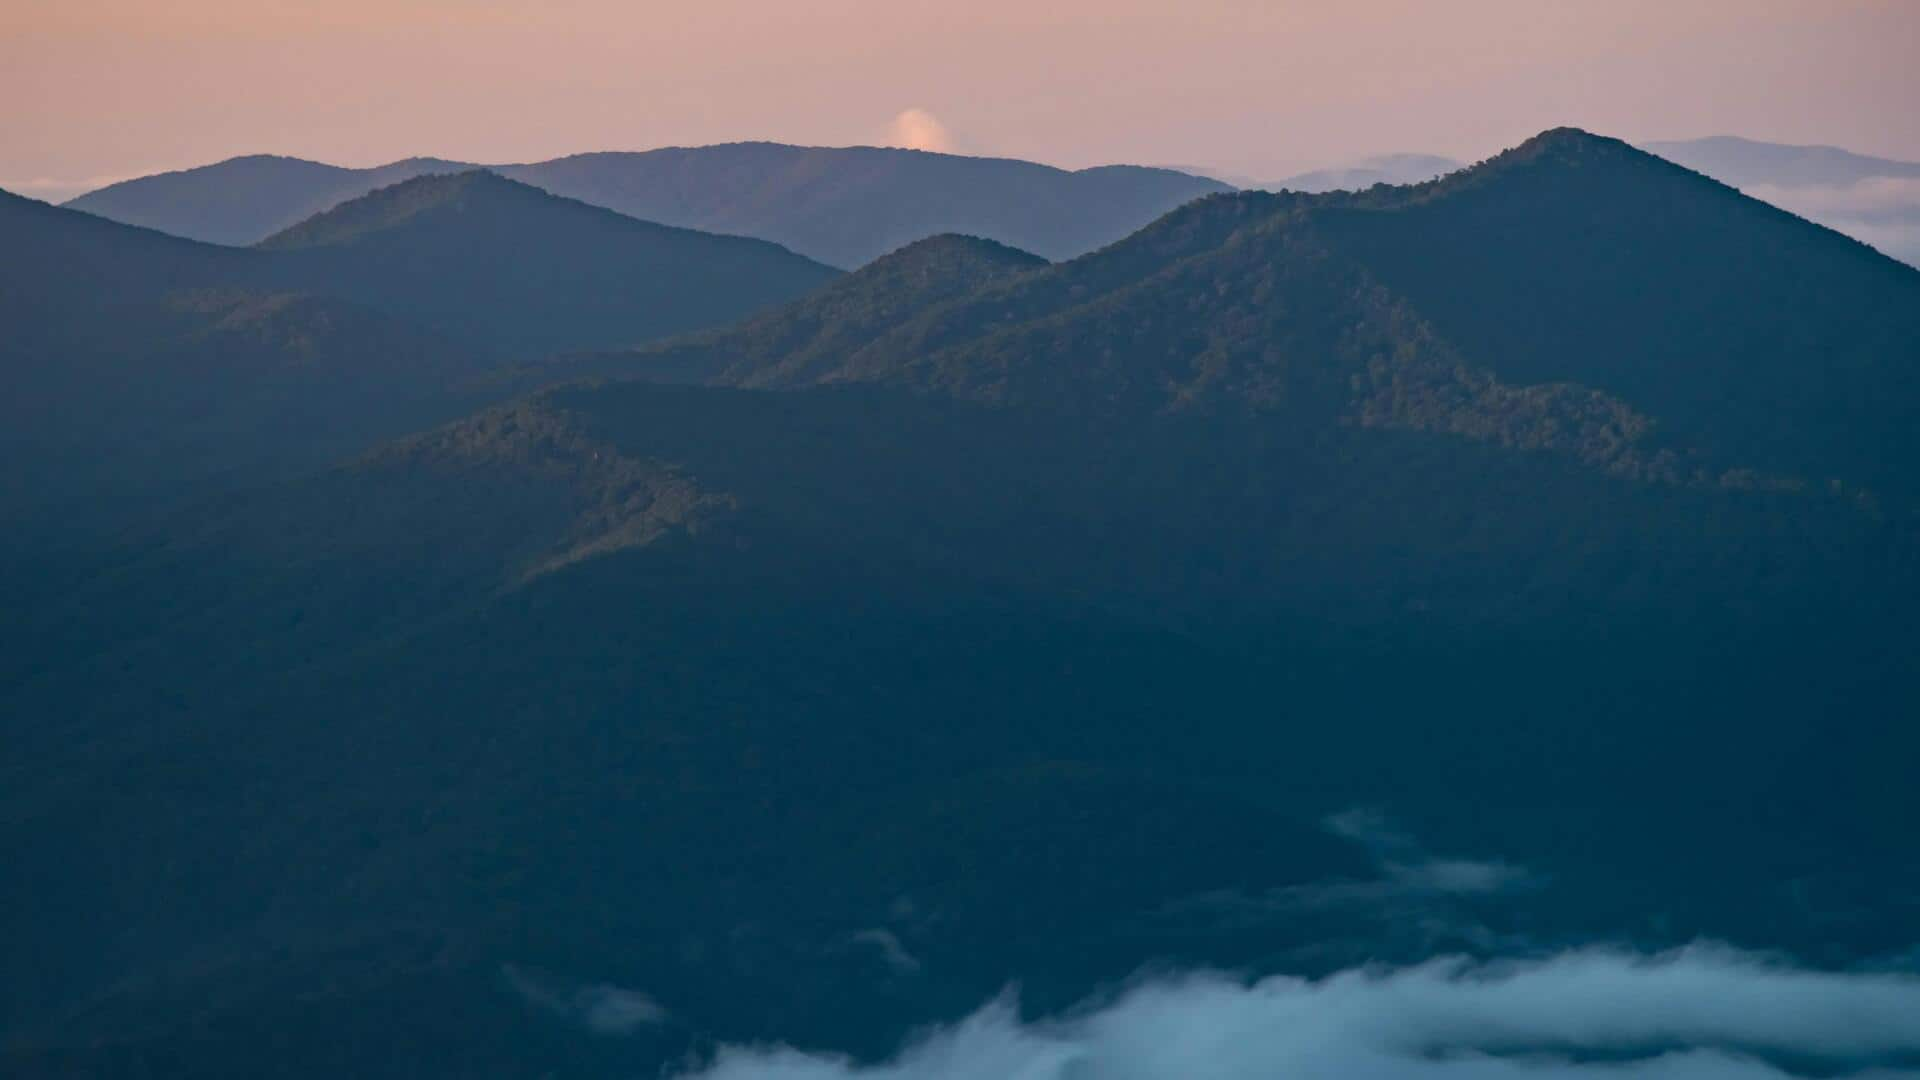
(1883, 210)
(1702, 1013)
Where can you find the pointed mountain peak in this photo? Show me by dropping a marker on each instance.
(1571, 145)
(1553, 156)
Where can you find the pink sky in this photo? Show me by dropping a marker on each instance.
(100, 89)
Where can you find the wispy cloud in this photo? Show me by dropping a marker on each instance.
(599, 1007)
(1881, 210)
(1416, 900)
(891, 951)
(1406, 865)
(1702, 1013)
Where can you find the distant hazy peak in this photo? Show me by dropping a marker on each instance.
(1391, 169)
(841, 205)
(1749, 163)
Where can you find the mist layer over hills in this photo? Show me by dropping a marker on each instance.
(1871, 198)
(842, 206)
(1488, 566)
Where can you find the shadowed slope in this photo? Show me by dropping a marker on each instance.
(515, 270)
(141, 368)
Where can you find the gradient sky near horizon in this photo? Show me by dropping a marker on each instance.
(98, 90)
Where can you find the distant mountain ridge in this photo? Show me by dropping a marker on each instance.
(1876, 200)
(1394, 169)
(843, 206)
(1745, 162)
(243, 200)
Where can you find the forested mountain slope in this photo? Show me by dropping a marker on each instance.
(981, 620)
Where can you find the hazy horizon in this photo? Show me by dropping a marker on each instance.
(1223, 86)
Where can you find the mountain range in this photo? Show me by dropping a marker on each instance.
(972, 616)
(144, 367)
(848, 206)
(842, 206)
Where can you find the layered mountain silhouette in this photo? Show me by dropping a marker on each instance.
(142, 366)
(1017, 619)
(842, 206)
(514, 270)
(243, 200)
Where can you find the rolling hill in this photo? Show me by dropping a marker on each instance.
(976, 618)
(142, 368)
(842, 206)
(792, 342)
(514, 271)
(243, 200)
(849, 206)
